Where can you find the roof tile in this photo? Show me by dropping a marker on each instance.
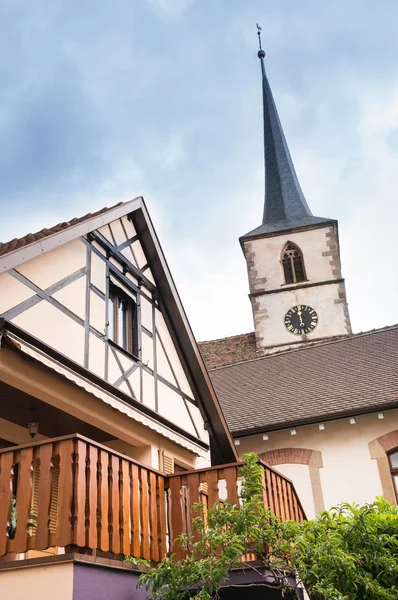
(312, 383)
(31, 238)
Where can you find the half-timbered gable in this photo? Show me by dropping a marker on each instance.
(95, 296)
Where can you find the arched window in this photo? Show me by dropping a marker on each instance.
(293, 263)
(393, 459)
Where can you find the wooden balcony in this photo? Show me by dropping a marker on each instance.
(71, 492)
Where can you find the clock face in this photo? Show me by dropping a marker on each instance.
(301, 319)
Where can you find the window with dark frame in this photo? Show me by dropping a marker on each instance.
(393, 460)
(122, 315)
(293, 264)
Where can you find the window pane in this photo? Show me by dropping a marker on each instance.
(125, 332)
(134, 330)
(111, 319)
(122, 321)
(394, 460)
(287, 268)
(298, 268)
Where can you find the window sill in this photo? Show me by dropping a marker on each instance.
(123, 350)
(296, 283)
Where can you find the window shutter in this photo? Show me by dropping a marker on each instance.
(166, 463)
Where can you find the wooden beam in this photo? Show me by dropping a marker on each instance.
(44, 296)
(52, 289)
(102, 241)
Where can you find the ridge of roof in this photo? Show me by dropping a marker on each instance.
(306, 346)
(31, 238)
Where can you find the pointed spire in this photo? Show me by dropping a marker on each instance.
(284, 204)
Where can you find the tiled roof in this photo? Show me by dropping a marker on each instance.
(351, 375)
(31, 238)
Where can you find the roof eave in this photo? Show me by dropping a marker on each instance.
(39, 247)
(222, 446)
(249, 237)
(325, 418)
(7, 327)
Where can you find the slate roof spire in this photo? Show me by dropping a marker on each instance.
(284, 203)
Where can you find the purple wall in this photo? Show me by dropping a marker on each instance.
(91, 582)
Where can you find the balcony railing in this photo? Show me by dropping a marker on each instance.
(72, 492)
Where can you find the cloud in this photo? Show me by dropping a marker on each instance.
(101, 103)
(170, 9)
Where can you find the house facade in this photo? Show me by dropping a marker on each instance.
(110, 429)
(93, 304)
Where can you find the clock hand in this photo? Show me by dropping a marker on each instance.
(300, 317)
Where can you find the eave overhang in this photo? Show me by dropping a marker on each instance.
(32, 349)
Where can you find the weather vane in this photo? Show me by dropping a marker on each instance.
(259, 30)
(260, 53)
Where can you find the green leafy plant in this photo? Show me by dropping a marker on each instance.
(347, 553)
(12, 528)
(350, 552)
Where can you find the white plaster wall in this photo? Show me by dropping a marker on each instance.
(105, 231)
(271, 325)
(139, 254)
(118, 232)
(12, 292)
(172, 354)
(198, 420)
(113, 369)
(129, 227)
(349, 474)
(267, 257)
(96, 362)
(73, 296)
(54, 328)
(44, 582)
(55, 264)
(300, 475)
(135, 382)
(148, 395)
(97, 312)
(147, 350)
(44, 320)
(146, 314)
(172, 406)
(98, 273)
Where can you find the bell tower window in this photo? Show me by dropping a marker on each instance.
(293, 264)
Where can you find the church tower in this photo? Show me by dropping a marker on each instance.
(293, 258)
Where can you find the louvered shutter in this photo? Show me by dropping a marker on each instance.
(166, 463)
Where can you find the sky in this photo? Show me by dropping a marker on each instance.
(106, 101)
